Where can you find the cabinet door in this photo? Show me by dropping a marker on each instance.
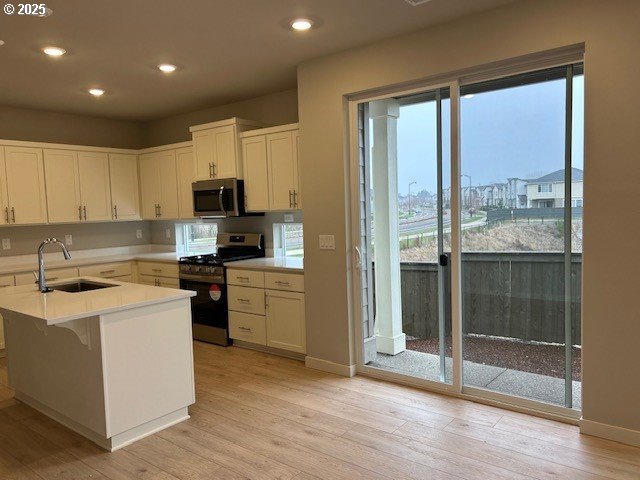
(4, 201)
(63, 185)
(285, 321)
(204, 153)
(95, 188)
(26, 192)
(186, 176)
(226, 153)
(168, 184)
(256, 180)
(149, 185)
(283, 171)
(298, 176)
(125, 193)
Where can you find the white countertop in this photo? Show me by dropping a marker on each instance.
(27, 265)
(59, 307)
(278, 264)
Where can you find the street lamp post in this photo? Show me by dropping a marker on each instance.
(411, 183)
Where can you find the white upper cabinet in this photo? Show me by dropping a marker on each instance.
(4, 201)
(63, 186)
(159, 185)
(125, 193)
(217, 148)
(271, 163)
(256, 181)
(95, 189)
(24, 195)
(186, 176)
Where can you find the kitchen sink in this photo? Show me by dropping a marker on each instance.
(78, 286)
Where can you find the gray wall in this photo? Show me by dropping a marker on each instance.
(25, 240)
(609, 30)
(274, 109)
(40, 126)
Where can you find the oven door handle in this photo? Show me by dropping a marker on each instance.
(221, 200)
(218, 279)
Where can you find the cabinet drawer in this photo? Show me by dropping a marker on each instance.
(247, 300)
(247, 327)
(158, 281)
(51, 275)
(245, 278)
(158, 269)
(123, 278)
(106, 270)
(290, 282)
(7, 281)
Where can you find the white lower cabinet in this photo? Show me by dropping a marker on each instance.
(5, 281)
(285, 321)
(52, 275)
(158, 274)
(273, 316)
(107, 270)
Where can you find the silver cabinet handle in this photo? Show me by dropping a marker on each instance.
(210, 170)
(107, 271)
(159, 270)
(6, 214)
(279, 282)
(13, 214)
(84, 210)
(159, 210)
(295, 199)
(80, 212)
(245, 329)
(244, 279)
(115, 212)
(215, 170)
(244, 300)
(290, 201)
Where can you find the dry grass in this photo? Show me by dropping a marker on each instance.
(502, 237)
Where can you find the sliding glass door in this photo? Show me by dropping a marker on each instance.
(407, 142)
(506, 323)
(521, 256)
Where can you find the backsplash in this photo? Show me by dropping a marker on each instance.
(26, 239)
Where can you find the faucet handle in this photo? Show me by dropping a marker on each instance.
(35, 275)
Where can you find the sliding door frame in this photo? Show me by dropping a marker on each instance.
(572, 55)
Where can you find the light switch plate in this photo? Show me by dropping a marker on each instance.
(6, 244)
(327, 242)
(138, 233)
(68, 239)
(288, 217)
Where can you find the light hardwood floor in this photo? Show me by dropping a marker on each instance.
(263, 417)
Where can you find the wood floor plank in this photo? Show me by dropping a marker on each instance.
(578, 459)
(476, 449)
(325, 405)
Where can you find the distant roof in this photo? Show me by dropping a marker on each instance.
(558, 176)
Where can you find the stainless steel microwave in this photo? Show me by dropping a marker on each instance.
(218, 198)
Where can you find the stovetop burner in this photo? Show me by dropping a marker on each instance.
(214, 258)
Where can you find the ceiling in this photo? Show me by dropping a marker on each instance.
(226, 50)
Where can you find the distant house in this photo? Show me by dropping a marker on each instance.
(548, 190)
(516, 193)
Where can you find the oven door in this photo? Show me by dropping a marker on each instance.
(216, 198)
(209, 306)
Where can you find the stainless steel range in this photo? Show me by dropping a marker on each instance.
(205, 274)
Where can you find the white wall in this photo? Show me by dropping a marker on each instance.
(609, 29)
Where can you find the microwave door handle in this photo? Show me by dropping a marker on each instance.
(221, 200)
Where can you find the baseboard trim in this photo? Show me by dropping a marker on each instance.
(330, 367)
(610, 432)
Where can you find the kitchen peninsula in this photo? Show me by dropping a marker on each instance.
(111, 360)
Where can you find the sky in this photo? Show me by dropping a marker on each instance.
(514, 132)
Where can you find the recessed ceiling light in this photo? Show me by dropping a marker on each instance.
(301, 24)
(96, 92)
(167, 67)
(54, 51)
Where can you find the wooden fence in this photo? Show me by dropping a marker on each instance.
(514, 295)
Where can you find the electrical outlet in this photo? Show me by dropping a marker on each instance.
(288, 217)
(327, 242)
(167, 233)
(138, 233)
(68, 239)
(6, 244)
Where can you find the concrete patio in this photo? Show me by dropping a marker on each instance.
(503, 380)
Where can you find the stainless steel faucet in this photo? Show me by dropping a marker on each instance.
(42, 281)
